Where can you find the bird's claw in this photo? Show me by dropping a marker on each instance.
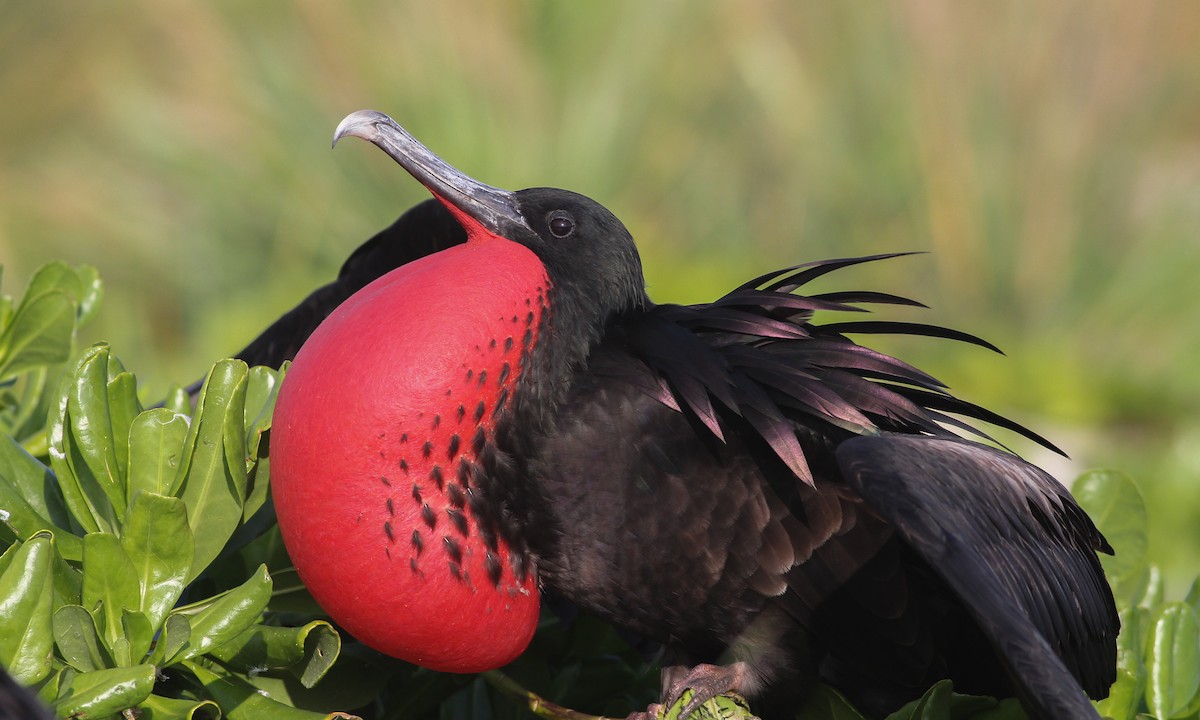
(705, 681)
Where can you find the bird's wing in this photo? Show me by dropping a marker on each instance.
(423, 230)
(1016, 549)
(756, 355)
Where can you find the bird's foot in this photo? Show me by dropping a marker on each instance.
(705, 681)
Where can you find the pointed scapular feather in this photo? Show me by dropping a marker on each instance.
(880, 401)
(782, 439)
(842, 353)
(802, 389)
(747, 323)
(785, 281)
(868, 296)
(762, 299)
(755, 354)
(891, 327)
(949, 403)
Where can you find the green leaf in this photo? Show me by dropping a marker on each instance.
(1123, 697)
(92, 427)
(1117, 508)
(156, 440)
(940, 702)
(138, 633)
(1173, 660)
(157, 707)
(262, 387)
(81, 283)
(261, 391)
(78, 642)
(28, 491)
(308, 651)
(242, 701)
(49, 688)
(933, 705)
(123, 407)
(24, 405)
(1126, 695)
(158, 542)
(68, 580)
(225, 617)
(82, 493)
(1152, 588)
(212, 476)
(110, 586)
(91, 291)
(174, 637)
(178, 401)
(26, 591)
(357, 678)
(1193, 595)
(40, 333)
(102, 693)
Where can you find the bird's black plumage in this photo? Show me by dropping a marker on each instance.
(426, 228)
(755, 489)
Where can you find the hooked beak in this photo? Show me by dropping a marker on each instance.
(472, 202)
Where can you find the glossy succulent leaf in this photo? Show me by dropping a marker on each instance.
(26, 591)
(158, 541)
(225, 617)
(261, 390)
(138, 634)
(30, 498)
(157, 707)
(123, 492)
(359, 678)
(155, 445)
(25, 400)
(110, 585)
(40, 329)
(176, 632)
(39, 333)
(83, 493)
(81, 283)
(243, 701)
(102, 693)
(212, 474)
(1116, 506)
(1126, 694)
(940, 702)
(178, 401)
(123, 407)
(91, 426)
(77, 640)
(1124, 697)
(1173, 659)
(307, 652)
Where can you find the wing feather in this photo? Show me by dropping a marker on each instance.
(1014, 547)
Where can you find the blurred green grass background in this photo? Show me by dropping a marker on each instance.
(1047, 154)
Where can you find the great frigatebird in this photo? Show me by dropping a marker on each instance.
(506, 410)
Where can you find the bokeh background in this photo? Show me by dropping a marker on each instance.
(1046, 154)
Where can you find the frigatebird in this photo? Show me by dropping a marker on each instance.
(494, 406)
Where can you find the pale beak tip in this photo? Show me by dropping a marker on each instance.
(361, 124)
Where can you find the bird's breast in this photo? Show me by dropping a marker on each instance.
(375, 446)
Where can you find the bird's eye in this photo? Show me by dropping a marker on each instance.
(561, 225)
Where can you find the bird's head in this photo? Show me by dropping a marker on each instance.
(590, 257)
